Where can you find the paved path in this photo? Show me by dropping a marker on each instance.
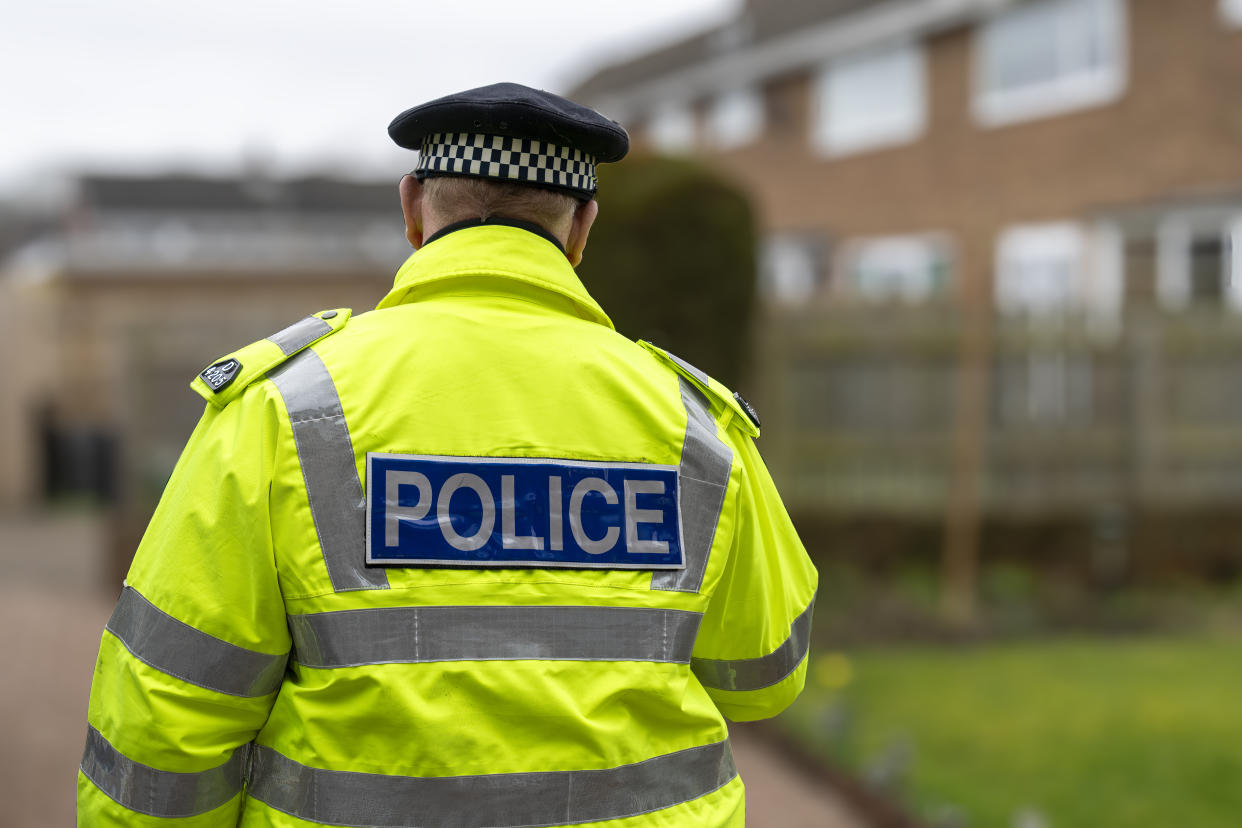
(779, 795)
(49, 654)
(52, 612)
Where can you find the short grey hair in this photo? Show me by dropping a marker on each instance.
(456, 198)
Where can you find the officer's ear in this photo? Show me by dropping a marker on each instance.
(579, 229)
(412, 207)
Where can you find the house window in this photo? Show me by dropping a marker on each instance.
(1052, 270)
(910, 269)
(736, 118)
(1042, 272)
(1197, 261)
(671, 128)
(870, 100)
(790, 268)
(1049, 56)
(1231, 12)
(1207, 270)
(1039, 269)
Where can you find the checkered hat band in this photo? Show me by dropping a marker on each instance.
(508, 159)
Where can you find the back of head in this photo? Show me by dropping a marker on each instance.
(457, 198)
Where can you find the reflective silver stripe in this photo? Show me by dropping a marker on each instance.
(757, 673)
(160, 793)
(174, 647)
(327, 457)
(501, 800)
(349, 638)
(690, 369)
(703, 477)
(300, 334)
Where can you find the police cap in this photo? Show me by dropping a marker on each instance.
(513, 133)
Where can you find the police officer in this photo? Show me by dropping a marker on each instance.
(470, 559)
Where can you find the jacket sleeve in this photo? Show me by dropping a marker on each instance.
(195, 651)
(751, 652)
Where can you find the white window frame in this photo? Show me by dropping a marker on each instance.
(1233, 288)
(1231, 12)
(1014, 244)
(1104, 280)
(1173, 237)
(936, 246)
(791, 269)
(736, 117)
(826, 138)
(1068, 93)
(672, 127)
(1175, 234)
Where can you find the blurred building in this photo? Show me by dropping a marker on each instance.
(908, 150)
(116, 299)
(1047, 193)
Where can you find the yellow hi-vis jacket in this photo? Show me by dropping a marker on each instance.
(258, 672)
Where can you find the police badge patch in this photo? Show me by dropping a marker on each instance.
(442, 511)
(219, 376)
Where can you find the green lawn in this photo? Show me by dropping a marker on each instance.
(1084, 732)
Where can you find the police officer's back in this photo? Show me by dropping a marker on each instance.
(470, 559)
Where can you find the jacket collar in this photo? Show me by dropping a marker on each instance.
(516, 257)
(508, 222)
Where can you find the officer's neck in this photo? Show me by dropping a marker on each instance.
(432, 234)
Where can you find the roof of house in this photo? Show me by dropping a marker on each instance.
(758, 22)
(235, 194)
(162, 225)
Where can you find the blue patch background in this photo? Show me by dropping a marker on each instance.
(422, 543)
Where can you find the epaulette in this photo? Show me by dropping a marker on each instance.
(224, 380)
(733, 406)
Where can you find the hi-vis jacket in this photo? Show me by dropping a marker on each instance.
(635, 578)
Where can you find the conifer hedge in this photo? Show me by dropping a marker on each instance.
(672, 260)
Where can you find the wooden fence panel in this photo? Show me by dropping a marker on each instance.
(859, 411)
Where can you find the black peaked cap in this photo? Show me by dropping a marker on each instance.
(517, 111)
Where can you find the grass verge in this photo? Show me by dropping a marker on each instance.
(1063, 732)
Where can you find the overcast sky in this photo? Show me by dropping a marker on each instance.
(154, 85)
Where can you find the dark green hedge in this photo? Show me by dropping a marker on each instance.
(672, 260)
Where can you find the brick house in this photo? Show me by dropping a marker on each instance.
(1030, 152)
(999, 243)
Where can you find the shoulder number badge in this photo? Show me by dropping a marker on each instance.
(219, 376)
(748, 408)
